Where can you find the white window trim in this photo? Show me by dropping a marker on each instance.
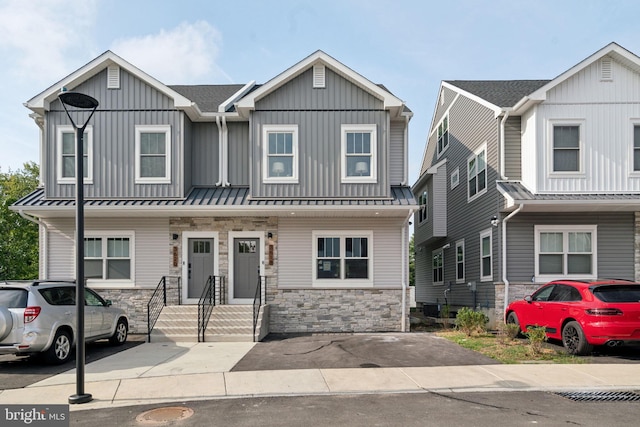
(482, 148)
(550, 151)
(632, 173)
(166, 129)
(89, 136)
(433, 254)
(342, 283)
(444, 147)
(486, 233)
(422, 218)
(460, 244)
(456, 174)
(593, 229)
(266, 130)
(373, 172)
(105, 234)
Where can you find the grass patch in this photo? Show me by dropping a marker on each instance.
(511, 350)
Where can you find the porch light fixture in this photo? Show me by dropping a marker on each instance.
(494, 221)
(82, 103)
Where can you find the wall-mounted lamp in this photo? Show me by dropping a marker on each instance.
(447, 246)
(494, 221)
(174, 236)
(270, 235)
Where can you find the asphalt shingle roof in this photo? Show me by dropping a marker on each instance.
(208, 97)
(502, 93)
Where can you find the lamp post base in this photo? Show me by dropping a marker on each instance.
(80, 398)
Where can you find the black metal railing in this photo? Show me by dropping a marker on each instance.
(212, 294)
(159, 299)
(257, 302)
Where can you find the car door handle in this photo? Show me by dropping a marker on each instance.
(68, 313)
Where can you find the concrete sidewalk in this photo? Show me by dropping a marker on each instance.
(154, 373)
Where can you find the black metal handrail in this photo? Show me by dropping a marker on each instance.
(257, 302)
(207, 301)
(158, 301)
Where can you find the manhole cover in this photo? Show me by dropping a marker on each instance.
(601, 396)
(160, 416)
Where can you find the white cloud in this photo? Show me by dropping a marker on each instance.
(183, 55)
(40, 38)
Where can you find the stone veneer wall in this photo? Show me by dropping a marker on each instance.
(133, 302)
(336, 310)
(517, 290)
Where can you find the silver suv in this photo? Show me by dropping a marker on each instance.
(40, 317)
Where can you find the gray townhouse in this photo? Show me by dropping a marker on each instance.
(526, 181)
(291, 195)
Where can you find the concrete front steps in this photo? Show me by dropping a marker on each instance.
(228, 323)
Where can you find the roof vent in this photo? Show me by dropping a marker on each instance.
(113, 77)
(318, 76)
(606, 69)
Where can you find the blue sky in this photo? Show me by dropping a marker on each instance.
(408, 45)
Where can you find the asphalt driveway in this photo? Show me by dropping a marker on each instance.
(384, 350)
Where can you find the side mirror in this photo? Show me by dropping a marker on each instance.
(528, 299)
(108, 302)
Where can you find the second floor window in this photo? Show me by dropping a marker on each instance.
(477, 173)
(566, 148)
(443, 135)
(153, 154)
(636, 148)
(359, 159)
(280, 153)
(66, 146)
(424, 207)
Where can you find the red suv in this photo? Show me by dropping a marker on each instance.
(582, 313)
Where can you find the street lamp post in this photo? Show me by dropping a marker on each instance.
(83, 103)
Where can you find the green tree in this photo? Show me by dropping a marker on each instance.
(412, 262)
(18, 236)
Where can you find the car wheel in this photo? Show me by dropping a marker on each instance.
(119, 337)
(512, 318)
(6, 322)
(574, 340)
(60, 350)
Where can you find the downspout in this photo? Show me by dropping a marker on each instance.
(220, 153)
(502, 144)
(45, 274)
(225, 149)
(504, 255)
(405, 263)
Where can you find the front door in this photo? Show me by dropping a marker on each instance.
(200, 266)
(246, 268)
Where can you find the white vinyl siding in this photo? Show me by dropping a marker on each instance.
(66, 154)
(280, 153)
(565, 251)
(153, 154)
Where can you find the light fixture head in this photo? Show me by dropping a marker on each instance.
(495, 221)
(78, 100)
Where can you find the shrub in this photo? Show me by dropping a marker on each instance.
(470, 321)
(444, 315)
(507, 332)
(536, 335)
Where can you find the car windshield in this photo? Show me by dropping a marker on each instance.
(13, 298)
(617, 293)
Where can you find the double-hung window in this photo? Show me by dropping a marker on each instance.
(424, 207)
(342, 258)
(153, 154)
(566, 148)
(109, 256)
(486, 258)
(460, 261)
(437, 266)
(280, 153)
(443, 135)
(66, 148)
(477, 173)
(566, 251)
(636, 148)
(359, 158)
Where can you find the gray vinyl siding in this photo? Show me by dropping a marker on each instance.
(319, 114)
(423, 231)
(513, 148)
(615, 237)
(295, 245)
(136, 103)
(238, 153)
(396, 153)
(205, 154)
(441, 109)
(187, 143)
(151, 246)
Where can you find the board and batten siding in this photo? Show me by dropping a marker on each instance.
(295, 249)
(606, 111)
(113, 124)
(151, 246)
(615, 237)
(397, 155)
(512, 148)
(238, 153)
(205, 154)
